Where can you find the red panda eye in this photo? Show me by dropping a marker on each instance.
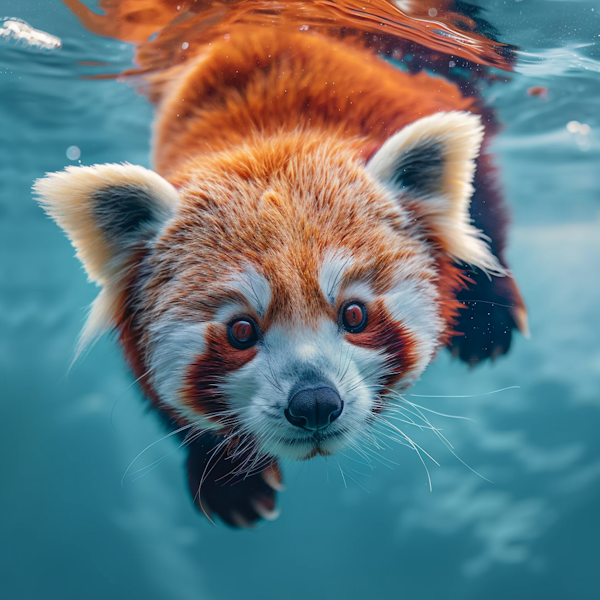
(354, 317)
(242, 333)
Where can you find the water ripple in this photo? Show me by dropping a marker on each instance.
(18, 33)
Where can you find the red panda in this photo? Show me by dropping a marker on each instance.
(304, 246)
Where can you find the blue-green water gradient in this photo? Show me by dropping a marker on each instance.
(70, 531)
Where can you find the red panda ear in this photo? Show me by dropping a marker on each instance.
(108, 212)
(430, 163)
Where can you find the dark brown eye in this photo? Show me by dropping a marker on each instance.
(242, 333)
(354, 317)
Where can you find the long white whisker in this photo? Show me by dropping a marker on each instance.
(151, 445)
(112, 412)
(511, 387)
(341, 472)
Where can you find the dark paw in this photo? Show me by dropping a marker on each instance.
(493, 309)
(238, 500)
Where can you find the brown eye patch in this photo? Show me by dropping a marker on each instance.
(202, 392)
(353, 316)
(392, 338)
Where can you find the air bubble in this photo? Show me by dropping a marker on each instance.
(577, 127)
(584, 129)
(73, 152)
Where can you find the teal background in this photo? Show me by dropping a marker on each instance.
(69, 530)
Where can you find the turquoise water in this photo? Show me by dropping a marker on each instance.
(70, 530)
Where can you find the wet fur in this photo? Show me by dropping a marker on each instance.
(297, 172)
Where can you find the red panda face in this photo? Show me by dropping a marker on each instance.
(285, 289)
(292, 297)
(295, 375)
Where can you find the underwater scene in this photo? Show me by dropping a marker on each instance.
(488, 485)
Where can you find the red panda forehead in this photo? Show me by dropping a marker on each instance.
(291, 234)
(286, 181)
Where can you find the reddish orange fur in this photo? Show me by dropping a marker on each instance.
(267, 115)
(289, 216)
(254, 112)
(265, 82)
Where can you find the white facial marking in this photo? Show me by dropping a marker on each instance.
(175, 346)
(229, 310)
(414, 303)
(335, 264)
(255, 288)
(307, 352)
(358, 290)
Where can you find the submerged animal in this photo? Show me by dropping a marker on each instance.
(317, 226)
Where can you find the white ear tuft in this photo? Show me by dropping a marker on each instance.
(108, 212)
(105, 210)
(432, 161)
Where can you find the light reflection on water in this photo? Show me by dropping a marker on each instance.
(18, 33)
(70, 531)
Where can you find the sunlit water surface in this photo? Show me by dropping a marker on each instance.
(69, 530)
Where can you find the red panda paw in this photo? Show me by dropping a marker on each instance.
(493, 309)
(239, 501)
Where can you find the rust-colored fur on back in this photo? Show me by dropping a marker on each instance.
(261, 83)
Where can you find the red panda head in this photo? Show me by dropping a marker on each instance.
(279, 291)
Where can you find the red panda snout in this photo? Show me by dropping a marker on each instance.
(313, 405)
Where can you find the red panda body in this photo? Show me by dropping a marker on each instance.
(268, 82)
(298, 259)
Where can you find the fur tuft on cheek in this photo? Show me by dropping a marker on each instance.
(392, 339)
(202, 391)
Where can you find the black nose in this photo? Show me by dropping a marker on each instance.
(314, 406)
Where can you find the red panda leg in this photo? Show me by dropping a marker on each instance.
(493, 307)
(238, 500)
(492, 310)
